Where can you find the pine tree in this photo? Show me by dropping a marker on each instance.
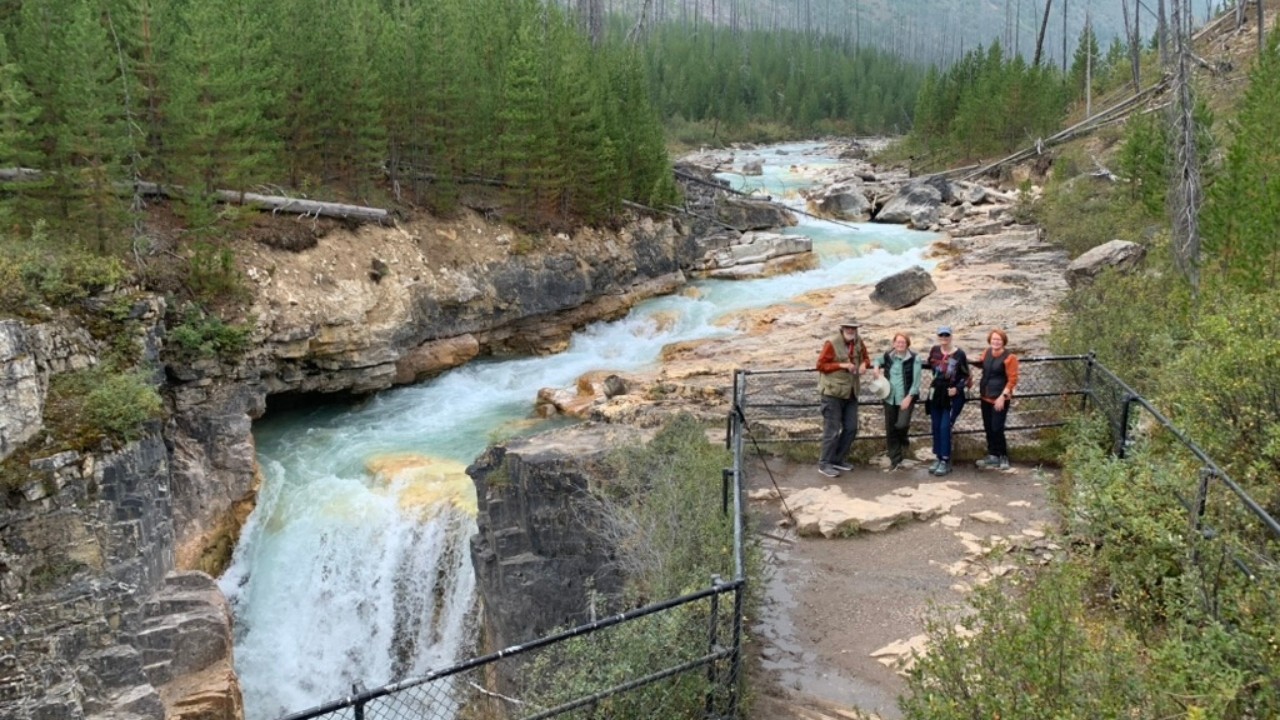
(17, 141)
(1242, 209)
(219, 78)
(526, 140)
(82, 133)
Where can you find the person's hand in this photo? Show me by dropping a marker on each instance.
(906, 403)
(1000, 403)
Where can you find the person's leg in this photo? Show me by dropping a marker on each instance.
(1001, 445)
(942, 441)
(848, 431)
(891, 434)
(940, 431)
(832, 422)
(991, 459)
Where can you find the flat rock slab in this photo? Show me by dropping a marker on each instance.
(831, 512)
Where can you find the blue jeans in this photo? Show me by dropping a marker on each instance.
(943, 418)
(839, 428)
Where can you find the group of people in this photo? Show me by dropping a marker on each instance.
(901, 375)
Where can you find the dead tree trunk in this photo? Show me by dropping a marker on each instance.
(1044, 24)
(1131, 36)
(591, 18)
(1185, 190)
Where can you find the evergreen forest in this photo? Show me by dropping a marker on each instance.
(358, 100)
(802, 84)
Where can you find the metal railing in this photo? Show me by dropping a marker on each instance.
(702, 678)
(784, 406)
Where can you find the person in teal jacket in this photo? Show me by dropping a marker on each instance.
(903, 368)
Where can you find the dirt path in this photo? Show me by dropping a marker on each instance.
(832, 602)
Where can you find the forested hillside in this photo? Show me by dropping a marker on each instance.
(810, 85)
(352, 98)
(924, 31)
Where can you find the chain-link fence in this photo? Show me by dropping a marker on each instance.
(674, 659)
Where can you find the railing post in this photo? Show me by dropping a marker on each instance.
(726, 475)
(1202, 499)
(356, 689)
(1088, 382)
(1122, 443)
(735, 657)
(712, 637)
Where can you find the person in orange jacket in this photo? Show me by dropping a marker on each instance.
(999, 378)
(840, 364)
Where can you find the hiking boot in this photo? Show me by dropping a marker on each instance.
(1003, 464)
(943, 468)
(989, 462)
(842, 466)
(933, 469)
(828, 470)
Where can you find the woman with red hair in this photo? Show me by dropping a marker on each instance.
(999, 378)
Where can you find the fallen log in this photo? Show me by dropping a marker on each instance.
(272, 203)
(281, 204)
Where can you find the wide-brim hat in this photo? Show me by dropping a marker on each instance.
(849, 322)
(879, 387)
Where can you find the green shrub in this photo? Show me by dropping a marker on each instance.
(199, 335)
(1232, 411)
(1134, 323)
(34, 274)
(1041, 653)
(121, 404)
(86, 405)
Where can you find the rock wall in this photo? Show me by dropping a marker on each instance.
(536, 556)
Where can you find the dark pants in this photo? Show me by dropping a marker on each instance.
(839, 428)
(993, 423)
(942, 419)
(897, 426)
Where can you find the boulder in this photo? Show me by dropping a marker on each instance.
(753, 167)
(1122, 255)
(924, 218)
(903, 289)
(908, 200)
(842, 201)
(746, 214)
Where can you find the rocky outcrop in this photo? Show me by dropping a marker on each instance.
(82, 569)
(1122, 255)
(757, 254)
(29, 354)
(910, 200)
(745, 214)
(537, 553)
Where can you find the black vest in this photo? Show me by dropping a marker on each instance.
(908, 369)
(994, 377)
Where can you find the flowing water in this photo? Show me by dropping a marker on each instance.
(354, 568)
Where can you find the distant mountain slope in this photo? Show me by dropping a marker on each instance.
(929, 30)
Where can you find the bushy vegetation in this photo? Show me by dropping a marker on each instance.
(36, 275)
(201, 335)
(661, 511)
